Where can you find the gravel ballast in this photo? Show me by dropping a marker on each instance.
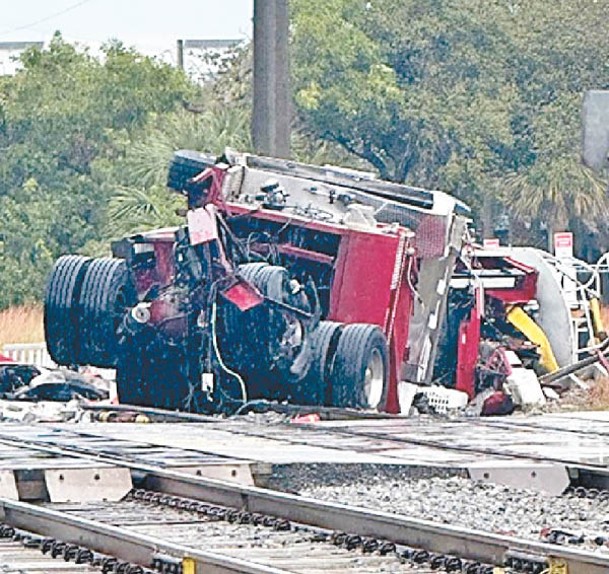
(449, 497)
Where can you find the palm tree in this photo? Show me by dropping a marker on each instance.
(141, 201)
(557, 191)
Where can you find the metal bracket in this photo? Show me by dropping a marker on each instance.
(239, 473)
(88, 484)
(552, 479)
(8, 485)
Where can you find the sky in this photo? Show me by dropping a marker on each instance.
(149, 25)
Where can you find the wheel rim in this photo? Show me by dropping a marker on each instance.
(374, 380)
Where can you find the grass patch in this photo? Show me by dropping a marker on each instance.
(598, 395)
(21, 324)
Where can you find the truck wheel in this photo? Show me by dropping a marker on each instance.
(312, 389)
(105, 296)
(273, 281)
(251, 271)
(360, 373)
(61, 308)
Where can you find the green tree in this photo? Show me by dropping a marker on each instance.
(139, 199)
(64, 119)
(468, 96)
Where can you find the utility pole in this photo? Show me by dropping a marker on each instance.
(271, 116)
(180, 50)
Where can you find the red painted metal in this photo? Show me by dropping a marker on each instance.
(525, 288)
(468, 347)
(243, 295)
(297, 252)
(363, 276)
(398, 315)
(215, 174)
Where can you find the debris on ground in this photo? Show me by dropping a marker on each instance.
(35, 394)
(13, 375)
(41, 411)
(61, 385)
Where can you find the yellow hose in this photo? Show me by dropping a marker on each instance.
(597, 320)
(534, 333)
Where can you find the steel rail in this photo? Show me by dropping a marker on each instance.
(329, 413)
(400, 529)
(412, 532)
(524, 426)
(120, 542)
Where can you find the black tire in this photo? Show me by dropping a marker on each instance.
(61, 308)
(185, 165)
(106, 295)
(361, 351)
(251, 271)
(273, 281)
(313, 389)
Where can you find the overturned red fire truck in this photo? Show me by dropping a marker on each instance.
(290, 282)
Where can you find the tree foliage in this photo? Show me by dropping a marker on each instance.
(66, 120)
(479, 97)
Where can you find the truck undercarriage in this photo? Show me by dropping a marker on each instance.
(313, 285)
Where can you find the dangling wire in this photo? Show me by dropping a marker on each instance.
(214, 341)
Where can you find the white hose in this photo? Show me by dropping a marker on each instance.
(219, 356)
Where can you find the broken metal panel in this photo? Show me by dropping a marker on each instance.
(554, 315)
(430, 307)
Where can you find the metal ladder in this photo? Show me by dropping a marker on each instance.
(580, 283)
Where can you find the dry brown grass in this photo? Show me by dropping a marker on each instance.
(598, 395)
(21, 325)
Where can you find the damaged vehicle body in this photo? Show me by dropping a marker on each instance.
(290, 282)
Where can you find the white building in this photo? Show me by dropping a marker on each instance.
(196, 54)
(9, 55)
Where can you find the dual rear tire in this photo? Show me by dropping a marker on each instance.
(349, 367)
(61, 314)
(84, 303)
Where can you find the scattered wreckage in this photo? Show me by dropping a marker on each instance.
(33, 393)
(318, 286)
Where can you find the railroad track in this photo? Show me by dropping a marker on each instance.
(25, 555)
(374, 432)
(462, 436)
(317, 530)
